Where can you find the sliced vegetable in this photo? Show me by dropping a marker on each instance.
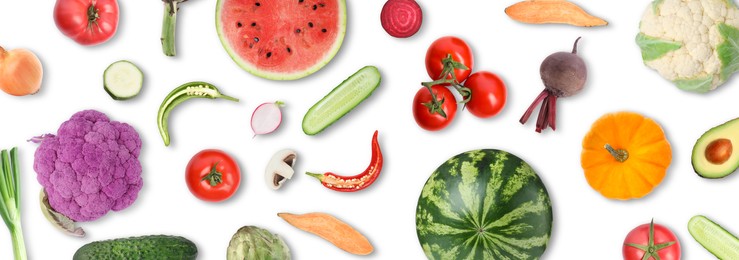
(331, 229)
(266, 118)
(280, 168)
(342, 99)
(143, 247)
(195, 89)
(401, 18)
(21, 72)
(714, 238)
(564, 74)
(251, 242)
(10, 200)
(357, 182)
(169, 25)
(212, 175)
(58, 220)
(552, 11)
(123, 80)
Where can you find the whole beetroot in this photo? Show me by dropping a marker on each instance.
(90, 167)
(564, 74)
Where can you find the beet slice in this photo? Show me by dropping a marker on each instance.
(401, 18)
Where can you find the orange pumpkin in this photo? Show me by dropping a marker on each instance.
(625, 155)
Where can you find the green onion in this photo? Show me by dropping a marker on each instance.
(10, 200)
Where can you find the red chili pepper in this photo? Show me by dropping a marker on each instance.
(357, 182)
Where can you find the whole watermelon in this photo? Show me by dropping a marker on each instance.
(484, 204)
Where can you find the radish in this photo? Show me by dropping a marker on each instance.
(266, 118)
(401, 18)
(564, 74)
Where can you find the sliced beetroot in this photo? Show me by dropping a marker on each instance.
(401, 18)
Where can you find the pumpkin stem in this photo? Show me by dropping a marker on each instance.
(620, 155)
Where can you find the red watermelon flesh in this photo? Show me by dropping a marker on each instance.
(281, 40)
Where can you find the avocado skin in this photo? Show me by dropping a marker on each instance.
(705, 169)
(143, 247)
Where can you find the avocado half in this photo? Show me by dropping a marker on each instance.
(714, 154)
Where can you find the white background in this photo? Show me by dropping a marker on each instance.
(586, 225)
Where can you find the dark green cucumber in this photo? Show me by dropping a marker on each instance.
(195, 89)
(342, 99)
(714, 238)
(160, 247)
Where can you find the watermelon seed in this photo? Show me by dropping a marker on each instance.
(269, 54)
(256, 39)
(297, 30)
(323, 30)
(315, 7)
(253, 24)
(238, 24)
(310, 24)
(251, 45)
(300, 1)
(322, 4)
(288, 50)
(257, 4)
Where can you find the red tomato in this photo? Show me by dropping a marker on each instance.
(443, 46)
(488, 94)
(640, 237)
(425, 118)
(88, 22)
(212, 175)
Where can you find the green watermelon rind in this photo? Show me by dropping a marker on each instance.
(283, 76)
(444, 224)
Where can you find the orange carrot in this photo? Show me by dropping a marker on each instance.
(331, 229)
(552, 11)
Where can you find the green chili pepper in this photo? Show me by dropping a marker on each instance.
(195, 89)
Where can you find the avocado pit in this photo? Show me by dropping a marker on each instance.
(719, 151)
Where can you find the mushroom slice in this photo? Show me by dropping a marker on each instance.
(280, 168)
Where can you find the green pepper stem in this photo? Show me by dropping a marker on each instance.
(315, 175)
(168, 27)
(226, 97)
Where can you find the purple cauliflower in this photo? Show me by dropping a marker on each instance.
(90, 167)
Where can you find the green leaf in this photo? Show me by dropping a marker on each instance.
(728, 51)
(656, 4)
(700, 85)
(653, 48)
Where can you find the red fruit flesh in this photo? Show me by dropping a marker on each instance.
(401, 18)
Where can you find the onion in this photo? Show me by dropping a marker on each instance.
(266, 118)
(20, 72)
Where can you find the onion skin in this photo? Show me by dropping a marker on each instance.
(20, 72)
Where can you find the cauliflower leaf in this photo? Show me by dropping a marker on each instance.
(728, 51)
(653, 48)
(700, 85)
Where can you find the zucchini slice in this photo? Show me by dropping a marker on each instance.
(714, 238)
(123, 80)
(342, 99)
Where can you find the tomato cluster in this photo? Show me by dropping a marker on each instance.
(449, 63)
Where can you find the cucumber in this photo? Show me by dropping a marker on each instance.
(123, 80)
(342, 99)
(714, 238)
(160, 247)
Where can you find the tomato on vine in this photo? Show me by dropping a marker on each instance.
(448, 53)
(487, 94)
(430, 115)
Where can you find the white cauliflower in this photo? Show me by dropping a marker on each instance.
(693, 43)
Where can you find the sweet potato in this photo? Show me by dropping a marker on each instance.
(552, 11)
(331, 229)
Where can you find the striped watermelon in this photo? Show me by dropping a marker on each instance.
(484, 204)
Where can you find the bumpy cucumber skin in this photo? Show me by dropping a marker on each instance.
(114, 96)
(144, 247)
(312, 129)
(721, 248)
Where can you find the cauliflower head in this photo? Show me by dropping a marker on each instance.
(693, 43)
(90, 167)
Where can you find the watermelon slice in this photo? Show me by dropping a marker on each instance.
(281, 40)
